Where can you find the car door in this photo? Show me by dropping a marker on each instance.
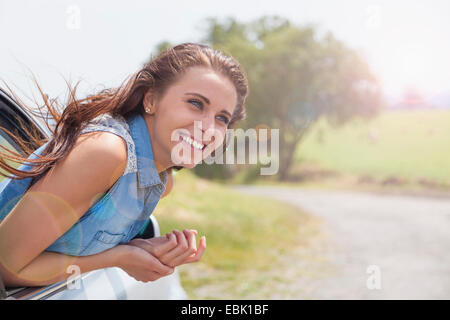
(108, 283)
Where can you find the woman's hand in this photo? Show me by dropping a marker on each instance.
(175, 248)
(186, 250)
(140, 264)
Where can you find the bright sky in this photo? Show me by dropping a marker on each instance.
(102, 42)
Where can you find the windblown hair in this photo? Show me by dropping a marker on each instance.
(158, 74)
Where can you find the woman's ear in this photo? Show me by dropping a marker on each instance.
(149, 102)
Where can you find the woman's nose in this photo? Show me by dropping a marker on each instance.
(208, 123)
(209, 130)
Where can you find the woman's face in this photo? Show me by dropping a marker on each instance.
(199, 105)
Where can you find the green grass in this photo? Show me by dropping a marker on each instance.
(412, 145)
(245, 235)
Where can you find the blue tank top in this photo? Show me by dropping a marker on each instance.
(119, 215)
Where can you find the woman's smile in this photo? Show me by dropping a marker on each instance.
(183, 132)
(193, 143)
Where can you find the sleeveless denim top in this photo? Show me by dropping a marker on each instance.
(120, 214)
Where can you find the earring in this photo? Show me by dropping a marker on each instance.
(147, 110)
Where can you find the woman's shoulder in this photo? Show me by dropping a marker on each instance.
(118, 126)
(107, 120)
(103, 147)
(104, 142)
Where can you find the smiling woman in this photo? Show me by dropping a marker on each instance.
(88, 192)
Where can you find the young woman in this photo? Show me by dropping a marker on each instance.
(84, 196)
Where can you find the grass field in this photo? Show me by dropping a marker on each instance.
(410, 145)
(248, 238)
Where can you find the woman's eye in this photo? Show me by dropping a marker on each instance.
(225, 119)
(198, 102)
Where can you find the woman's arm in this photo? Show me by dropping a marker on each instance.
(51, 267)
(53, 204)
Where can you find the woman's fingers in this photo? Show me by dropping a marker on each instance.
(161, 249)
(186, 247)
(156, 246)
(182, 246)
(192, 248)
(160, 267)
(197, 256)
(190, 235)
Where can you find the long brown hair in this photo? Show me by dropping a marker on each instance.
(158, 74)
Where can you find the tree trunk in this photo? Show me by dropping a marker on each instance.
(286, 158)
(287, 151)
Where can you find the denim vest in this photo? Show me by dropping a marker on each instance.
(120, 214)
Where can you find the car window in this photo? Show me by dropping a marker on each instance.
(5, 141)
(14, 118)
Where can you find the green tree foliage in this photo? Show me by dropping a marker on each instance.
(295, 78)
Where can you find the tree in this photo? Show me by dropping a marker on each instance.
(296, 78)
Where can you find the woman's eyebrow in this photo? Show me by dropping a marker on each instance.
(206, 100)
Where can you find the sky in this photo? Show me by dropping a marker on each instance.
(102, 42)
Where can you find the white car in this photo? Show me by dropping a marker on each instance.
(102, 284)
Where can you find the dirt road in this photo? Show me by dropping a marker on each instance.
(379, 246)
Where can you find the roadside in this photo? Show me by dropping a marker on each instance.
(315, 177)
(255, 245)
(404, 238)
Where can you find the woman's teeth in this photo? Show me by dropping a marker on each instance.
(194, 143)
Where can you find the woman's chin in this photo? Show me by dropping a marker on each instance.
(187, 164)
(190, 166)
